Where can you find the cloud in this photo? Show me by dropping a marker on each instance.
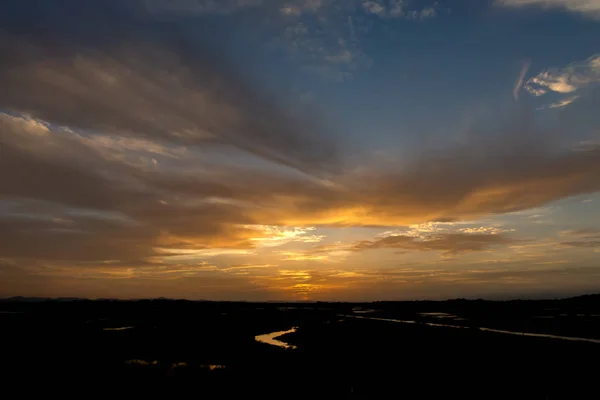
(85, 205)
(298, 7)
(447, 244)
(427, 12)
(323, 36)
(559, 104)
(581, 232)
(422, 231)
(124, 271)
(273, 236)
(587, 145)
(108, 86)
(564, 102)
(584, 244)
(291, 10)
(199, 6)
(301, 256)
(155, 153)
(589, 8)
(244, 267)
(567, 81)
(519, 82)
(448, 239)
(373, 7)
(398, 9)
(423, 281)
(581, 238)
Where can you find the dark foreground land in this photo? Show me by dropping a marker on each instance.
(168, 349)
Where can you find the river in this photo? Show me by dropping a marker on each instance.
(544, 335)
(270, 338)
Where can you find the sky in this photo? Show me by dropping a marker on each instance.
(342, 150)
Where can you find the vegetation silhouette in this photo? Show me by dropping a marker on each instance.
(165, 347)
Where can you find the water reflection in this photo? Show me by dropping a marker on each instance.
(544, 335)
(141, 362)
(440, 315)
(212, 367)
(121, 328)
(146, 363)
(270, 338)
(360, 310)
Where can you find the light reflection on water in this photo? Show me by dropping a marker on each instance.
(145, 363)
(360, 310)
(438, 315)
(141, 362)
(270, 338)
(544, 335)
(121, 328)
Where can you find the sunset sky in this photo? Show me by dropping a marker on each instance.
(299, 150)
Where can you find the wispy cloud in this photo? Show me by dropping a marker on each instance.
(324, 35)
(301, 256)
(581, 233)
(583, 238)
(447, 244)
(374, 7)
(589, 8)
(559, 104)
(399, 9)
(564, 102)
(587, 145)
(246, 267)
(199, 6)
(519, 82)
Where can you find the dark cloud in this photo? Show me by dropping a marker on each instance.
(124, 72)
(23, 175)
(74, 239)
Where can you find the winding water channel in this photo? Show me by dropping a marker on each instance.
(544, 335)
(270, 338)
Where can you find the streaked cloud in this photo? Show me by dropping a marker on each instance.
(581, 238)
(171, 210)
(520, 79)
(447, 244)
(589, 8)
(301, 256)
(581, 232)
(243, 267)
(564, 102)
